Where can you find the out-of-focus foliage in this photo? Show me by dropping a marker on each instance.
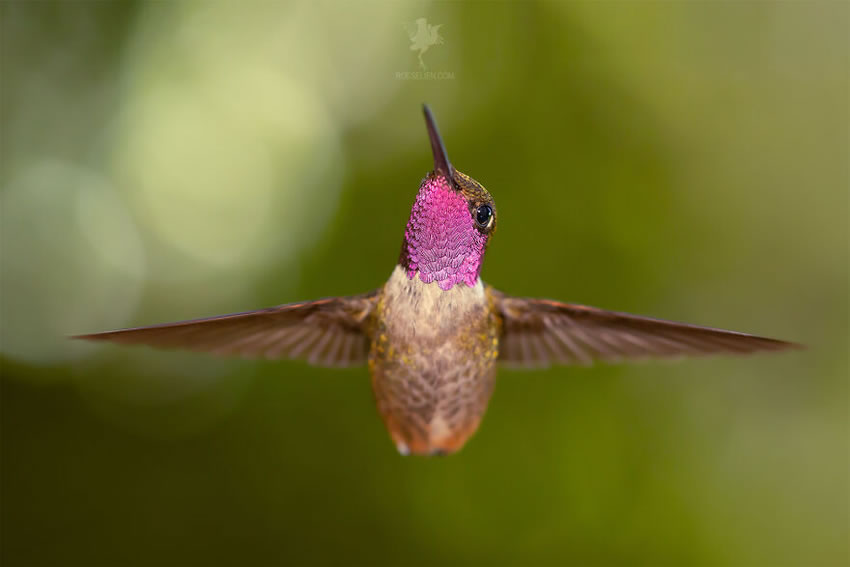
(168, 160)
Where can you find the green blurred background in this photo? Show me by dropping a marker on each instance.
(171, 160)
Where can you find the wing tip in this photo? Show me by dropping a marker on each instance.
(780, 345)
(90, 336)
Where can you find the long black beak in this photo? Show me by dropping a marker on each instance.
(442, 165)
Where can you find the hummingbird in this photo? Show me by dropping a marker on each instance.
(434, 335)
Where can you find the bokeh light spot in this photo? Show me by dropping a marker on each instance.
(71, 261)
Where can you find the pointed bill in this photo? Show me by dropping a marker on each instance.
(441, 158)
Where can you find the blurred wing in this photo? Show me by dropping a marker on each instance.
(539, 332)
(327, 332)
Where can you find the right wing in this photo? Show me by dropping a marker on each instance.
(326, 332)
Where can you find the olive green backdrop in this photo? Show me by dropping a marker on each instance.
(171, 160)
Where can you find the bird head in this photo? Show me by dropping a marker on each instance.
(451, 222)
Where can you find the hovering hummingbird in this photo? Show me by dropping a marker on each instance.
(434, 333)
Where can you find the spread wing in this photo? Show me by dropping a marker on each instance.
(327, 332)
(539, 332)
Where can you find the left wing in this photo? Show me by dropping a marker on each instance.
(326, 332)
(539, 332)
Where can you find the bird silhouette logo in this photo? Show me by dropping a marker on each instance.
(422, 36)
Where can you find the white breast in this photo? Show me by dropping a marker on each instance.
(414, 307)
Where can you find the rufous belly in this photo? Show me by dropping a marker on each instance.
(433, 362)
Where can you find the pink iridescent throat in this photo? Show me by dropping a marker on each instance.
(441, 242)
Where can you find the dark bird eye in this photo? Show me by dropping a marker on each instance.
(484, 216)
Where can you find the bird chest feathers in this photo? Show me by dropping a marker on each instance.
(433, 361)
(411, 310)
